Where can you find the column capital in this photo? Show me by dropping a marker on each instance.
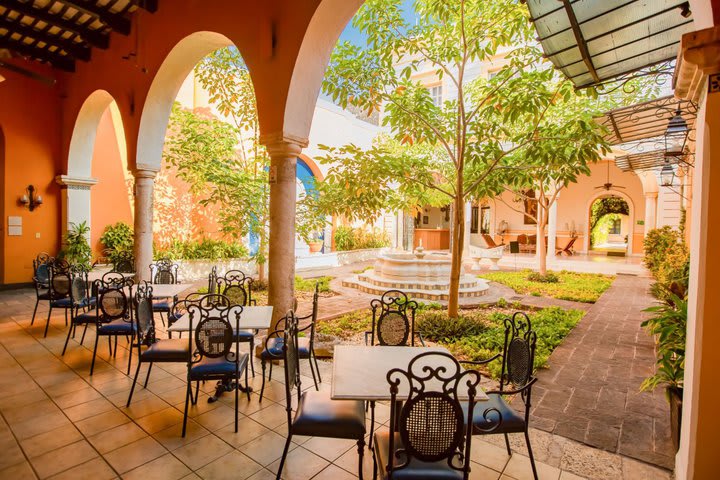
(698, 56)
(75, 183)
(651, 194)
(145, 173)
(283, 144)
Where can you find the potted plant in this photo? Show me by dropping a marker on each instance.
(669, 324)
(76, 249)
(315, 243)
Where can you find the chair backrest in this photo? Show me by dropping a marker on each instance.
(144, 318)
(314, 315)
(518, 354)
(489, 241)
(41, 268)
(79, 286)
(212, 280)
(113, 302)
(236, 286)
(60, 282)
(532, 239)
(431, 423)
(288, 330)
(393, 319)
(570, 244)
(164, 272)
(213, 329)
(124, 265)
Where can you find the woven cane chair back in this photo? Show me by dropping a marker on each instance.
(393, 319)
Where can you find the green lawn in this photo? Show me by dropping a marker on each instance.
(578, 287)
(476, 335)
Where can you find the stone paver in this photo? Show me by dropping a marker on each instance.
(590, 391)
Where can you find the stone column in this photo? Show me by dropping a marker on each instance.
(144, 188)
(281, 255)
(75, 200)
(651, 199)
(552, 228)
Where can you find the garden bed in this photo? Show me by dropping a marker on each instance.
(576, 287)
(476, 335)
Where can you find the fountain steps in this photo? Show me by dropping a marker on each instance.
(478, 290)
(466, 282)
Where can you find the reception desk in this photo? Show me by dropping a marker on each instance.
(432, 238)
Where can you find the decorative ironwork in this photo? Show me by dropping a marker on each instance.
(144, 314)
(661, 74)
(393, 319)
(164, 272)
(236, 286)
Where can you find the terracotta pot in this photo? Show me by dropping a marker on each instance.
(675, 396)
(315, 246)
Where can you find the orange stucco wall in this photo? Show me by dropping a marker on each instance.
(29, 119)
(109, 199)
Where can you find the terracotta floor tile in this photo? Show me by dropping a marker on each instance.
(88, 409)
(19, 471)
(172, 439)
(300, 464)
(160, 420)
(248, 430)
(95, 469)
(63, 458)
(216, 418)
(39, 424)
(134, 454)
(202, 451)
(266, 448)
(100, 423)
(117, 437)
(166, 467)
(52, 440)
(232, 466)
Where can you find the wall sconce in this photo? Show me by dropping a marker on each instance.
(30, 199)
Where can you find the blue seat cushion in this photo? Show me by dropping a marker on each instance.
(87, 302)
(61, 303)
(210, 368)
(439, 470)
(245, 335)
(117, 327)
(510, 420)
(172, 350)
(87, 317)
(275, 347)
(161, 306)
(319, 416)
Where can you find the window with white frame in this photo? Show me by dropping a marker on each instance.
(436, 95)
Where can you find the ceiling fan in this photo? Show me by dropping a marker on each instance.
(608, 185)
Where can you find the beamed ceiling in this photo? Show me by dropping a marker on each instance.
(63, 32)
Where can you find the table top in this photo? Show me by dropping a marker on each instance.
(360, 372)
(251, 318)
(165, 291)
(98, 274)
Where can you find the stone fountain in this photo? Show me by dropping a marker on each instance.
(420, 275)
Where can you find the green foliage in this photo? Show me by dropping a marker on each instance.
(606, 206)
(436, 325)
(308, 284)
(348, 238)
(76, 249)
(669, 325)
(668, 258)
(118, 240)
(577, 287)
(601, 230)
(204, 249)
(346, 326)
(549, 277)
(658, 243)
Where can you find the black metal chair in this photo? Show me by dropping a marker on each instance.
(237, 287)
(213, 357)
(429, 436)
(317, 415)
(124, 264)
(60, 292)
(41, 280)
(82, 295)
(393, 320)
(518, 358)
(163, 272)
(156, 351)
(306, 345)
(212, 280)
(114, 317)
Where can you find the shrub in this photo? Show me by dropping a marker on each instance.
(308, 284)
(205, 249)
(76, 249)
(659, 243)
(348, 238)
(549, 277)
(669, 325)
(118, 240)
(346, 326)
(436, 326)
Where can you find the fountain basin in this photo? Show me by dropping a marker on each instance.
(407, 267)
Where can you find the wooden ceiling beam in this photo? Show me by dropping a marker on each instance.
(94, 38)
(147, 5)
(117, 22)
(56, 60)
(78, 50)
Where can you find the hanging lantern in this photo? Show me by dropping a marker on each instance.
(667, 175)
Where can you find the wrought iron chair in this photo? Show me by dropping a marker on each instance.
(212, 280)
(237, 287)
(213, 357)
(60, 292)
(82, 295)
(518, 358)
(125, 264)
(41, 280)
(163, 272)
(393, 320)
(114, 317)
(429, 436)
(156, 351)
(317, 415)
(306, 345)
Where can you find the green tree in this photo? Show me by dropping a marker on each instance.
(458, 150)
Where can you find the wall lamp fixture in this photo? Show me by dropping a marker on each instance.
(30, 199)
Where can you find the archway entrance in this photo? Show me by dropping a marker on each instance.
(610, 225)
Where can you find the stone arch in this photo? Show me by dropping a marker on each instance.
(82, 141)
(321, 36)
(164, 89)
(610, 193)
(308, 171)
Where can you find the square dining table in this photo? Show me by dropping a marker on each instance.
(98, 274)
(360, 371)
(165, 290)
(251, 318)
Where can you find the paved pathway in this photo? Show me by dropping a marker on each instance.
(591, 390)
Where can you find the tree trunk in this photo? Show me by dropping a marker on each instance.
(261, 272)
(541, 250)
(458, 236)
